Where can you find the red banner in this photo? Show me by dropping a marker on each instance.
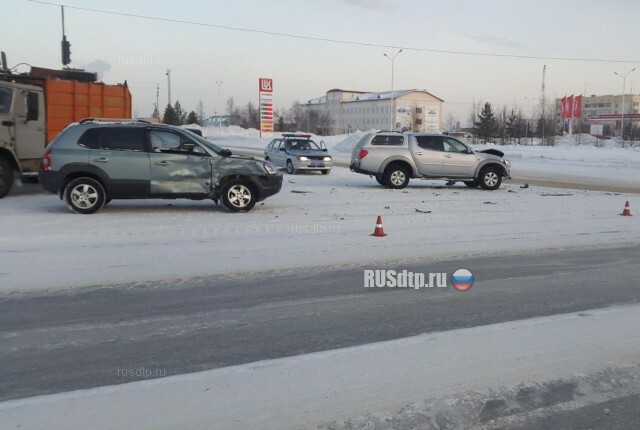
(563, 107)
(570, 106)
(577, 107)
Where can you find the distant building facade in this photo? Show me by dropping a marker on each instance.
(607, 110)
(348, 111)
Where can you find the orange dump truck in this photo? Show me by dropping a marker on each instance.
(36, 106)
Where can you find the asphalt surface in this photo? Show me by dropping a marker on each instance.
(93, 337)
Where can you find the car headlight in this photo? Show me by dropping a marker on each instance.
(507, 163)
(270, 168)
(326, 159)
(303, 158)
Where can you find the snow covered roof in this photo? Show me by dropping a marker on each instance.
(318, 101)
(385, 95)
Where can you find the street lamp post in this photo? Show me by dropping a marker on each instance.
(219, 84)
(624, 87)
(392, 58)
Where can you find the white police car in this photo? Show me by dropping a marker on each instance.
(296, 152)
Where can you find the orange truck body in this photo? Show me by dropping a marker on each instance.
(70, 101)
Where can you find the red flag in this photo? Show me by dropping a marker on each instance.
(570, 106)
(577, 107)
(563, 108)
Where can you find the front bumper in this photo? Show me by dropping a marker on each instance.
(312, 165)
(268, 185)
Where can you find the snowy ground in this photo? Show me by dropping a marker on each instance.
(314, 221)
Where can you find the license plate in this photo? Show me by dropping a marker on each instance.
(316, 164)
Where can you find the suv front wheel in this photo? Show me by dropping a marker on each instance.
(490, 178)
(238, 195)
(84, 195)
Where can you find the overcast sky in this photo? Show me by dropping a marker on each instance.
(140, 50)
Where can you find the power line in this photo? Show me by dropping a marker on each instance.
(344, 42)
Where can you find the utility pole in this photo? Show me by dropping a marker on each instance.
(624, 87)
(169, 86)
(219, 84)
(157, 97)
(66, 46)
(542, 100)
(392, 58)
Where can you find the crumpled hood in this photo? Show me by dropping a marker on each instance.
(492, 151)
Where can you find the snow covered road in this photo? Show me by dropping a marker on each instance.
(314, 221)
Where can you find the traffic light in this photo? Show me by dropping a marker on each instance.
(66, 51)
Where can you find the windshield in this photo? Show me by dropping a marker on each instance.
(302, 145)
(6, 97)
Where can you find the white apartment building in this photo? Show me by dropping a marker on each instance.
(348, 111)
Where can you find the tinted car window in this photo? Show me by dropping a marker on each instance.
(164, 141)
(387, 140)
(90, 138)
(122, 139)
(432, 143)
(452, 145)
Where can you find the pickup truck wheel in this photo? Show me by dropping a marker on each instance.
(84, 195)
(380, 179)
(290, 169)
(238, 195)
(6, 177)
(471, 184)
(490, 178)
(396, 177)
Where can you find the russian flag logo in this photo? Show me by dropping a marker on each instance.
(462, 279)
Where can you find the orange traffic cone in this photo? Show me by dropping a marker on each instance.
(379, 232)
(627, 210)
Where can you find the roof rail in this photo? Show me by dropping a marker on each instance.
(85, 120)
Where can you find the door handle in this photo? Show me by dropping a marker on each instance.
(162, 163)
(101, 160)
(418, 153)
(40, 129)
(447, 155)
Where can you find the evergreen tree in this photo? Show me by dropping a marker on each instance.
(486, 123)
(170, 116)
(156, 113)
(181, 114)
(192, 118)
(513, 124)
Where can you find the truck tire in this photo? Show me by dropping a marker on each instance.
(239, 195)
(380, 179)
(6, 177)
(84, 195)
(396, 176)
(471, 184)
(490, 178)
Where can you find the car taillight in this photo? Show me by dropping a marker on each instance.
(363, 153)
(46, 160)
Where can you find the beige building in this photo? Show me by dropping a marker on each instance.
(348, 111)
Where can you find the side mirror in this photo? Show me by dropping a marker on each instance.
(282, 149)
(325, 150)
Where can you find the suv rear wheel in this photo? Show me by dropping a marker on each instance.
(238, 195)
(396, 176)
(380, 179)
(84, 195)
(490, 178)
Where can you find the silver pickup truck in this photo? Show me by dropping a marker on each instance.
(394, 158)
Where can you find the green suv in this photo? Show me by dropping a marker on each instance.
(97, 160)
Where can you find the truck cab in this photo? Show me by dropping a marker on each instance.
(21, 120)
